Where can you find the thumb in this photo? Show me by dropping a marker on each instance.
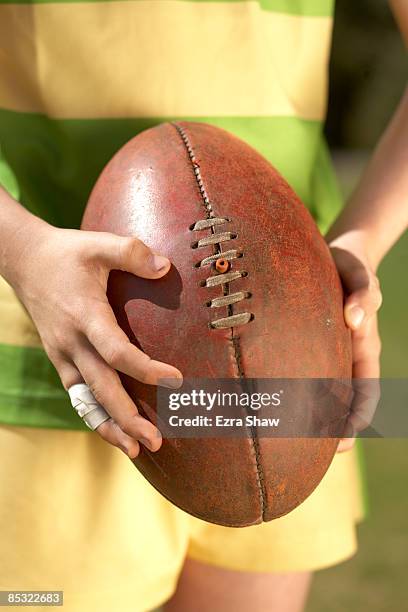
(133, 255)
(362, 304)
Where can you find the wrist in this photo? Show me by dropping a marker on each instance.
(358, 241)
(20, 241)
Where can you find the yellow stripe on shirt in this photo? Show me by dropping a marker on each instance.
(162, 58)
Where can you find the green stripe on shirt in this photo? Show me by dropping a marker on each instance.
(58, 160)
(31, 393)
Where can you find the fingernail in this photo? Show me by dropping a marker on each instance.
(146, 443)
(158, 262)
(356, 316)
(171, 383)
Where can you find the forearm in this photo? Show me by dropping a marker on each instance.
(400, 10)
(17, 228)
(378, 209)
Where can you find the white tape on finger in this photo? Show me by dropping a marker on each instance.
(90, 411)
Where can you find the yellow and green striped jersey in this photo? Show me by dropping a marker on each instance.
(78, 79)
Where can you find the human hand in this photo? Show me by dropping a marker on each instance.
(61, 277)
(363, 300)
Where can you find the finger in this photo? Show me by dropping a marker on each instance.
(119, 353)
(349, 439)
(129, 254)
(105, 385)
(68, 373)
(366, 386)
(367, 394)
(366, 349)
(112, 433)
(345, 445)
(362, 304)
(109, 430)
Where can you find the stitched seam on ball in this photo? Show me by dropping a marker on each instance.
(197, 172)
(206, 200)
(259, 471)
(236, 349)
(234, 340)
(237, 354)
(216, 239)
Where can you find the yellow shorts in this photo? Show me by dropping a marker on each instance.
(77, 516)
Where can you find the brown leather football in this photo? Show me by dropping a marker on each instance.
(252, 293)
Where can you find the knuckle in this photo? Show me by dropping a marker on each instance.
(64, 340)
(54, 355)
(128, 427)
(145, 362)
(64, 334)
(79, 314)
(103, 390)
(97, 391)
(116, 354)
(132, 248)
(93, 329)
(375, 291)
(73, 311)
(96, 332)
(378, 299)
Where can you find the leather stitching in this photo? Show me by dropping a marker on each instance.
(231, 318)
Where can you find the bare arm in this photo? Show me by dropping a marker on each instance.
(400, 10)
(378, 210)
(15, 222)
(372, 221)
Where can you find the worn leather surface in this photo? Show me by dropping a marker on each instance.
(150, 190)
